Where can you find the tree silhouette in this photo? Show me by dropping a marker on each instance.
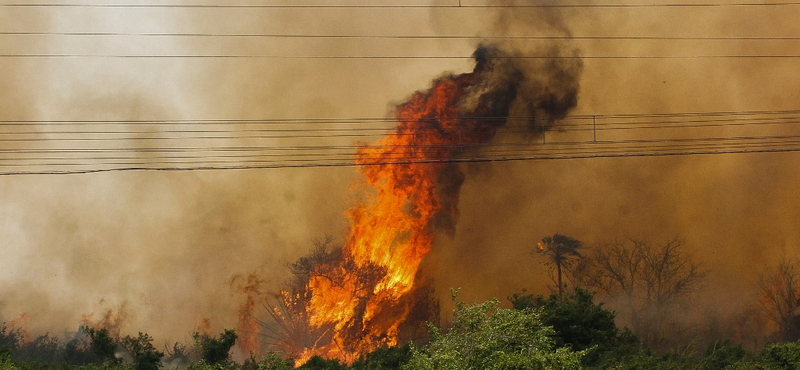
(779, 289)
(652, 280)
(561, 251)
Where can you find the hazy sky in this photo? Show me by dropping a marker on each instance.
(167, 243)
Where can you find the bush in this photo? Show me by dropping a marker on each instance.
(273, 361)
(384, 359)
(144, 355)
(215, 350)
(102, 346)
(722, 355)
(484, 337)
(580, 324)
(319, 363)
(45, 349)
(9, 340)
(781, 356)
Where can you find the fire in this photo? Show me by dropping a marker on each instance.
(358, 300)
(20, 324)
(111, 319)
(362, 299)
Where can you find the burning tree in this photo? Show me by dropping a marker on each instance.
(289, 328)
(356, 299)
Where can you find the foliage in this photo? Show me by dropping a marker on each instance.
(9, 340)
(44, 349)
(320, 363)
(215, 350)
(273, 361)
(6, 363)
(102, 345)
(486, 337)
(781, 356)
(722, 355)
(145, 356)
(384, 359)
(579, 323)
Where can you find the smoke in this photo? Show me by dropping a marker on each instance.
(509, 90)
(167, 244)
(734, 211)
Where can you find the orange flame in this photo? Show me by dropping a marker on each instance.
(111, 319)
(363, 300)
(20, 324)
(359, 300)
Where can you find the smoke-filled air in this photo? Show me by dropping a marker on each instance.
(425, 185)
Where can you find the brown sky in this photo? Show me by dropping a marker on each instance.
(167, 243)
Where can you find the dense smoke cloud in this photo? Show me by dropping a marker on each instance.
(735, 212)
(165, 245)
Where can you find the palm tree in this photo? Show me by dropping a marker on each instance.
(561, 251)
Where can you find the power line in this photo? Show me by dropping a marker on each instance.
(739, 114)
(485, 150)
(367, 132)
(47, 150)
(400, 37)
(394, 57)
(41, 131)
(487, 153)
(404, 6)
(135, 167)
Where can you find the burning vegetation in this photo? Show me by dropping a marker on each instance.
(354, 299)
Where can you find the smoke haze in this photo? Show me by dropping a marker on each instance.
(166, 244)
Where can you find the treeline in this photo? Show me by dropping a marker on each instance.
(660, 292)
(652, 287)
(563, 331)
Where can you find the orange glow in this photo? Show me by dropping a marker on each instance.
(111, 319)
(20, 324)
(362, 301)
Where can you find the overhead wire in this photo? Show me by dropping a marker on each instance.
(65, 159)
(389, 57)
(397, 37)
(154, 157)
(452, 5)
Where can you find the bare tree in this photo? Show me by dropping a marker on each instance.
(779, 290)
(562, 251)
(650, 280)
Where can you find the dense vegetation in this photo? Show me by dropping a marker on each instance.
(567, 330)
(571, 332)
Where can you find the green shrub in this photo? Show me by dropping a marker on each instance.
(215, 350)
(485, 337)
